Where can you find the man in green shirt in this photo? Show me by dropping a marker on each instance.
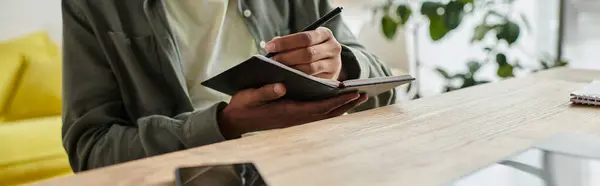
(132, 73)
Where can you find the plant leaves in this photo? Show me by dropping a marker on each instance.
(501, 59)
(474, 66)
(453, 14)
(482, 82)
(460, 76)
(437, 28)
(558, 63)
(509, 32)
(467, 82)
(466, 1)
(561, 63)
(443, 73)
(544, 65)
(404, 12)
(389, 27)
(505, 71)
(480, 32)
(430, 8)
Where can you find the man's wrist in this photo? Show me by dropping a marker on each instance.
(225, 125)
(202, 128)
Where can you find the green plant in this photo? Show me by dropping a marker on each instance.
(496, 32)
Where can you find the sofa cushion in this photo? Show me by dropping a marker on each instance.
(37, 45)
(39, 91)
(32, 151)
(11, 68)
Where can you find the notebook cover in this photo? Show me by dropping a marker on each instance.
(257, 72)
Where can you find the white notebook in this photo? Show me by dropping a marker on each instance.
(588, 95)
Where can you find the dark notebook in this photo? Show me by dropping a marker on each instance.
(260, 70)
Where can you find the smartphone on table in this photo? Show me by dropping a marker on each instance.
(242, 174)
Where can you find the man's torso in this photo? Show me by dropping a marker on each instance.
(212, 37)
(142, 51)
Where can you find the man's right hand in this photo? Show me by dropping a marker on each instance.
(254, 110)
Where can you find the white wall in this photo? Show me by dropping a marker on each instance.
(20, 17)
(582, 34)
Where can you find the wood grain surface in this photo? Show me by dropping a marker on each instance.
(428, 141)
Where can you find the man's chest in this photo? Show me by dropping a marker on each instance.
(138, 32)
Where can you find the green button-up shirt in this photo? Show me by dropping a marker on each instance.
(125, 96)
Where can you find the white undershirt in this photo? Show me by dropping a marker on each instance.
(212, 38)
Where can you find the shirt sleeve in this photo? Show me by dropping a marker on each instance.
(96, 129)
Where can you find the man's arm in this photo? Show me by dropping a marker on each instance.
(97, 130)
(356, 62)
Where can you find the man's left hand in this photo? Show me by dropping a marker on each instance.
(316, 53)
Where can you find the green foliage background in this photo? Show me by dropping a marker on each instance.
(445, 17)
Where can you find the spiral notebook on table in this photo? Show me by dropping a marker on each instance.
(588, 95)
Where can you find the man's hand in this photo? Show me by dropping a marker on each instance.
(313, 52)
(255, 110)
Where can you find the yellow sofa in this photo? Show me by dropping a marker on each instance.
(30, 111)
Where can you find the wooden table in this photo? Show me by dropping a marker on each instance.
(422, 142)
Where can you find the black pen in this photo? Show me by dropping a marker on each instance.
(320, 22)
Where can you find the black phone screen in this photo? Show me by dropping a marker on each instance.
(244, 174)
